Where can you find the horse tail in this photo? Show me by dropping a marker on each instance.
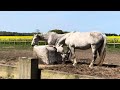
(102, 52)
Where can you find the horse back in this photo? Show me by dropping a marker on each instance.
(84, 38)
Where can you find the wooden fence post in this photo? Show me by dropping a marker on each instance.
(114, 42)
(28, 68)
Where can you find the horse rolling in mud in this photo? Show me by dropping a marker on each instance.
(51, 38)
(84, 40)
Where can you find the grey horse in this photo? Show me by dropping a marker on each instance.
(84, 40)
(51, 39)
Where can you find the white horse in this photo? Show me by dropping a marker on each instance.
(51, 38)
(84, 40)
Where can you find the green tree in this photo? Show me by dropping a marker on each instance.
(65, 32)
(57, 31)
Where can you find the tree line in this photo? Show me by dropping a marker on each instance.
(5, 33)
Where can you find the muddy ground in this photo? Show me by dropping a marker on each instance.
(109, 69)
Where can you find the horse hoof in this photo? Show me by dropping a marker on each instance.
(74, 64)
(91, 66)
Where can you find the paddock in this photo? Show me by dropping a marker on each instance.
(109, 70)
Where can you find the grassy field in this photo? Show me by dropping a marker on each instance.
(27, 46)
(17, 45)
(24, 42)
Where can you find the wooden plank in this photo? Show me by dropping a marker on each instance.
(28, 68)
(8, 72)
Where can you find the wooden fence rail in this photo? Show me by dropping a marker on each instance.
(20, 42)
(114, 44)
(29, 43)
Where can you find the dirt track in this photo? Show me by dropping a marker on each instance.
(110, 68)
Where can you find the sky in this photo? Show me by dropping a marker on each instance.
(30, 21)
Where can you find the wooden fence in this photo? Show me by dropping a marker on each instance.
(114, 44)
(113, 41)
(27, 68)
(40, 43)
(19, 42)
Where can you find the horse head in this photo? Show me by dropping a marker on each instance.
(60, 48)
(35, 39)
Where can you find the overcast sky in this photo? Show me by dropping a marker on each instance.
(29, 21)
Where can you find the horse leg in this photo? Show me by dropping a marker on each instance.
(73, 56)
(94, 51)
(101, 56)
(69, 55)
(63, 58)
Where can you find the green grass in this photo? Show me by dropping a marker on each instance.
(110, 48)
(17, 45)
(27, 45)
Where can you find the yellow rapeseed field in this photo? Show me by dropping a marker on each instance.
(16, 38)
(113, 39)
(110, 39)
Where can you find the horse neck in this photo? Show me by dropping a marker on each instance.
(60, 35)
(45, 37)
